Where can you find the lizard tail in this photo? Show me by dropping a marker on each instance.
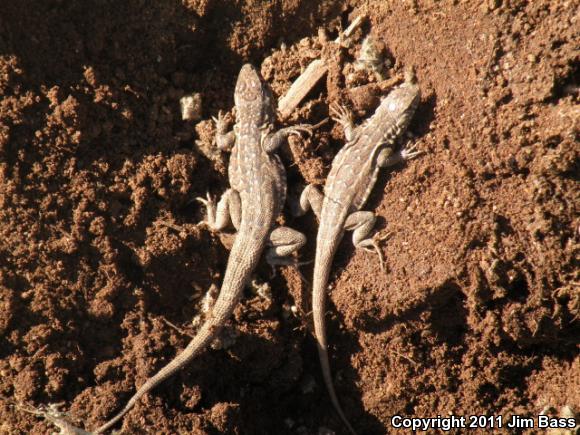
(322, 264)
(243, 259)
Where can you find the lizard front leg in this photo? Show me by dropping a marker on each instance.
(272, 141)
(228, 210)
(362, 223)
(343, 116)
(224, 139)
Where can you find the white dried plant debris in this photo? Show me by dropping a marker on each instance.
(191, 107)
(263, 290)
(566, 412)
(322, 36)
(372, 57)
(52, 414)
(206, 305)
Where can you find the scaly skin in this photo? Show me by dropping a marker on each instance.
(354, 171)
(256, 197)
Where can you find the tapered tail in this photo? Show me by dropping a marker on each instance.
(242, 260)
(324, 255)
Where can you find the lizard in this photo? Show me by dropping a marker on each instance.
(354, 171)
(252, 204)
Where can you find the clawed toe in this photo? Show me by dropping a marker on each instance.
(220, 122)
(380, 254)
(210, 205)
(207, 201)
(374, 248)
(339, 113)
(382, 236)
(410, 152)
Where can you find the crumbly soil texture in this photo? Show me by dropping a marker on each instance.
(103, 263)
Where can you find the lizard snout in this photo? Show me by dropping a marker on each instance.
(249, 86)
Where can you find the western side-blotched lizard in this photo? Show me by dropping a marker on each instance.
(252, 204)
(354, 171)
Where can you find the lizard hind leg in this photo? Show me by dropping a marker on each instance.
(310, 198)
(283, 241)
(227, 210)
(272, 141)
(362, 223)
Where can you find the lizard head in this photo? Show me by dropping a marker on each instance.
(251, 90)
(401, 103)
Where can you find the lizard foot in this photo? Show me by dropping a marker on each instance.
(409, 152)
(372, 245)
(221, 124)
(211, 207)
(266, 130)
(340, 114)
(343, 116)
(223, 139)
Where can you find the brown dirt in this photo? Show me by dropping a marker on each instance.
(478, 312)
